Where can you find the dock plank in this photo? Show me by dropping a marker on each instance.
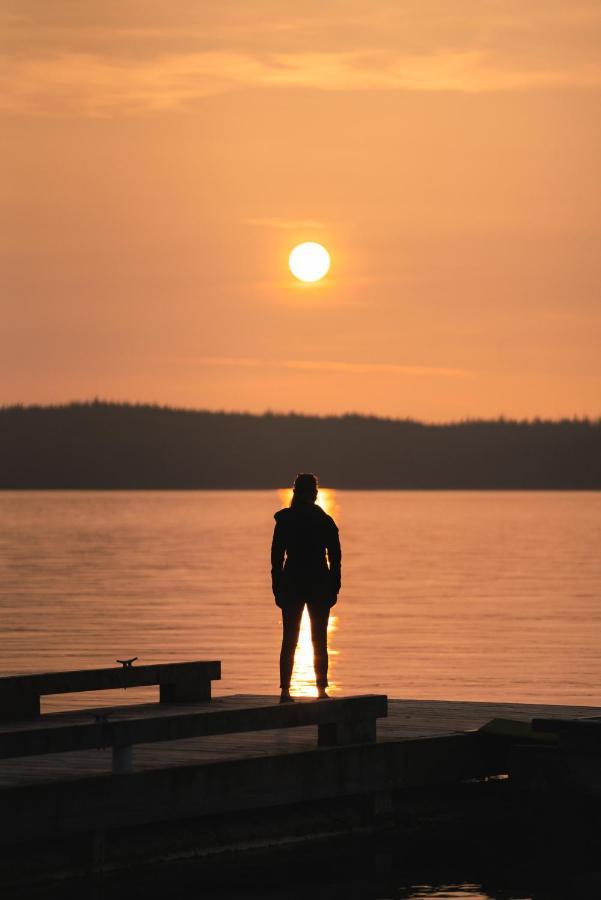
(408, 719)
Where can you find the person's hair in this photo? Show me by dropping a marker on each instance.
(304, 491)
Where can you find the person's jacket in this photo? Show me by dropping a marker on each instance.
(305, 540)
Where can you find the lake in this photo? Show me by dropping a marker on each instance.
(454, 595)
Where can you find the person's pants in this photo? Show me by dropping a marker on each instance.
(292, 613)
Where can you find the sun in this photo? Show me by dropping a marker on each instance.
(309, 261)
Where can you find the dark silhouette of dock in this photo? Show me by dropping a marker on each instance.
(447, 728)
(100, 779)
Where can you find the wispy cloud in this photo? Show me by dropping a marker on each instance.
(351, 368)
(285, 224)
(92, 59)
(81, 84)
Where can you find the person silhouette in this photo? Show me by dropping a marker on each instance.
(305, 569)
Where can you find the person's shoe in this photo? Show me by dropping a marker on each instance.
(322, 694)
(286, 698)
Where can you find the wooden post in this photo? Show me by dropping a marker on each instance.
(382, 809)
(19, 705)
(123, 759)
(98, 854)
(186, 690)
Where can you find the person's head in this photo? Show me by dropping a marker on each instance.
(304, 491)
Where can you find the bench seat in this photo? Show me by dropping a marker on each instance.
(178, 683)
(344, 720)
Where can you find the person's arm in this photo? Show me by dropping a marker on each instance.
(334, 558)
(278, 552)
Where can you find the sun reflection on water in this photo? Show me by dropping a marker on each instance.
(303, 675)
(326, 498)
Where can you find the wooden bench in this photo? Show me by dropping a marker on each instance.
(178, 683)
(348, 720)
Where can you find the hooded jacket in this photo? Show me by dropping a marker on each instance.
(305, 541)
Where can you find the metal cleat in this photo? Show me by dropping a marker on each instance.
(127, 663)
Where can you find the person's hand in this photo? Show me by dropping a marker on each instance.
(276, 587)
(333, 600)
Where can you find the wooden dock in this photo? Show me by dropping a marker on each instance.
(407, 721)
(175, 787)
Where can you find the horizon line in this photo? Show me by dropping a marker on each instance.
(133, 404)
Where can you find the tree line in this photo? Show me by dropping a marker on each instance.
(103, 445)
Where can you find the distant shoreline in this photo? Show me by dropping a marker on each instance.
(109, 446)
(260, 490)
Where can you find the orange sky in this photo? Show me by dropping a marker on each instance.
(160, 160)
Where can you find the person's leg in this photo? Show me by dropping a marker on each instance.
(292, 614)
(319, 614)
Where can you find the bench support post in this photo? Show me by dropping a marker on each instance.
(19, 706)
(186, 691)
(123, 759)
(337, 734)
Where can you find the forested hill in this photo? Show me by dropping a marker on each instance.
(106, 445)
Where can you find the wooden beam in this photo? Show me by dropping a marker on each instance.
(179, 792)
(178, 682)
(59, 734)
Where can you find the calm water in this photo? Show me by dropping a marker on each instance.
(483, 596)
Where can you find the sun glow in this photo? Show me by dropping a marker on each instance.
(309, 261)
(326, 498)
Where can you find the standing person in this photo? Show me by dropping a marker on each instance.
(305, 569)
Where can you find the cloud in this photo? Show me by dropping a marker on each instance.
(90, 85)
(351, 368)
(126, 58)
(285, 224)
